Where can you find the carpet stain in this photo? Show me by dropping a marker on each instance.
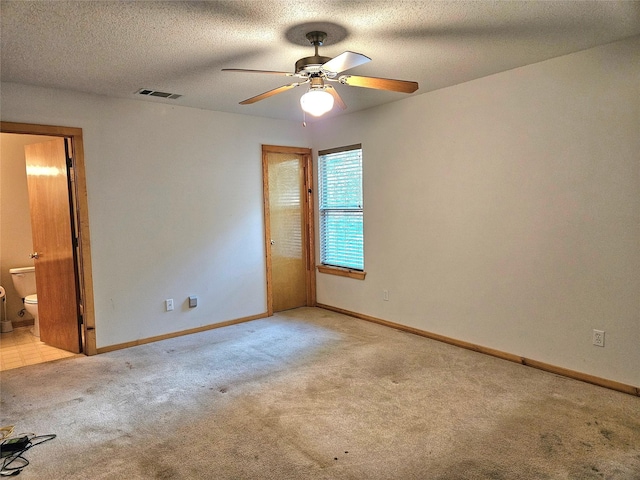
(470, 469)
(606, 433)
(550, 442)
(160, 472)
(587, 472)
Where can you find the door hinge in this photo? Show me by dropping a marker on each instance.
(67, 154)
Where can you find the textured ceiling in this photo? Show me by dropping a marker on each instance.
(115, 48)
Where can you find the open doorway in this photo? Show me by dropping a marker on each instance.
(79, 242)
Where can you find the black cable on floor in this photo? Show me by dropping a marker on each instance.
(14, 463)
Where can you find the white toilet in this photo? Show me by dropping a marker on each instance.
(24, 280)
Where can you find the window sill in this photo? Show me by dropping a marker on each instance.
(342, 272)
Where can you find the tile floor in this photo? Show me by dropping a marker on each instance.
(20, 347)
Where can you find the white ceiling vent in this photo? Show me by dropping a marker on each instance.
(155, 93)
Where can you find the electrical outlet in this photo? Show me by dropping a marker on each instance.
(385, 295)
(598, 338)
(168, 304)
(193, 301)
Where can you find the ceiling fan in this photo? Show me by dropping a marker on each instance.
(317, 71)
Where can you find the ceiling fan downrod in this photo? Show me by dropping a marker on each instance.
(312, 64)
(316, 39)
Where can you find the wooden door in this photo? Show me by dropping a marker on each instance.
(291, 281)
(52, 232)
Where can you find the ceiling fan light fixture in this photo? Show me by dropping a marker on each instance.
(316, 102)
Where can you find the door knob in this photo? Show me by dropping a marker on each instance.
(34, 255)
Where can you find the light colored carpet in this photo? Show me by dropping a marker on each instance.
(311, 394)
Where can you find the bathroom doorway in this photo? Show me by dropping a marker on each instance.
(78, 272)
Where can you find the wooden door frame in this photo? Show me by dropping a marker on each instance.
(81, 214)
(308, 217)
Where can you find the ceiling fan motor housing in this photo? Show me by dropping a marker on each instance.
(311, 64)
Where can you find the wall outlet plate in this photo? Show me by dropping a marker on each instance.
(193, 302)
(598, 338)
(168, 304)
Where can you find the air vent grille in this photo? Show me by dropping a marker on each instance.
(156, 93)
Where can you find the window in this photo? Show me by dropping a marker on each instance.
(340, 208)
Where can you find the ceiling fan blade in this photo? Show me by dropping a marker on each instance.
(336, 98)
(402, 86)
(271, 72)
(268, 94)
(345, 61)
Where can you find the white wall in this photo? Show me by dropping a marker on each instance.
(175, 207)
(506, 211)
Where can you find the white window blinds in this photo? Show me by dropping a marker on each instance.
(341, 214)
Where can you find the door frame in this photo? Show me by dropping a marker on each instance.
(81, 217)
(308, 217)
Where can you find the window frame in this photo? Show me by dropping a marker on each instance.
(334, 269)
